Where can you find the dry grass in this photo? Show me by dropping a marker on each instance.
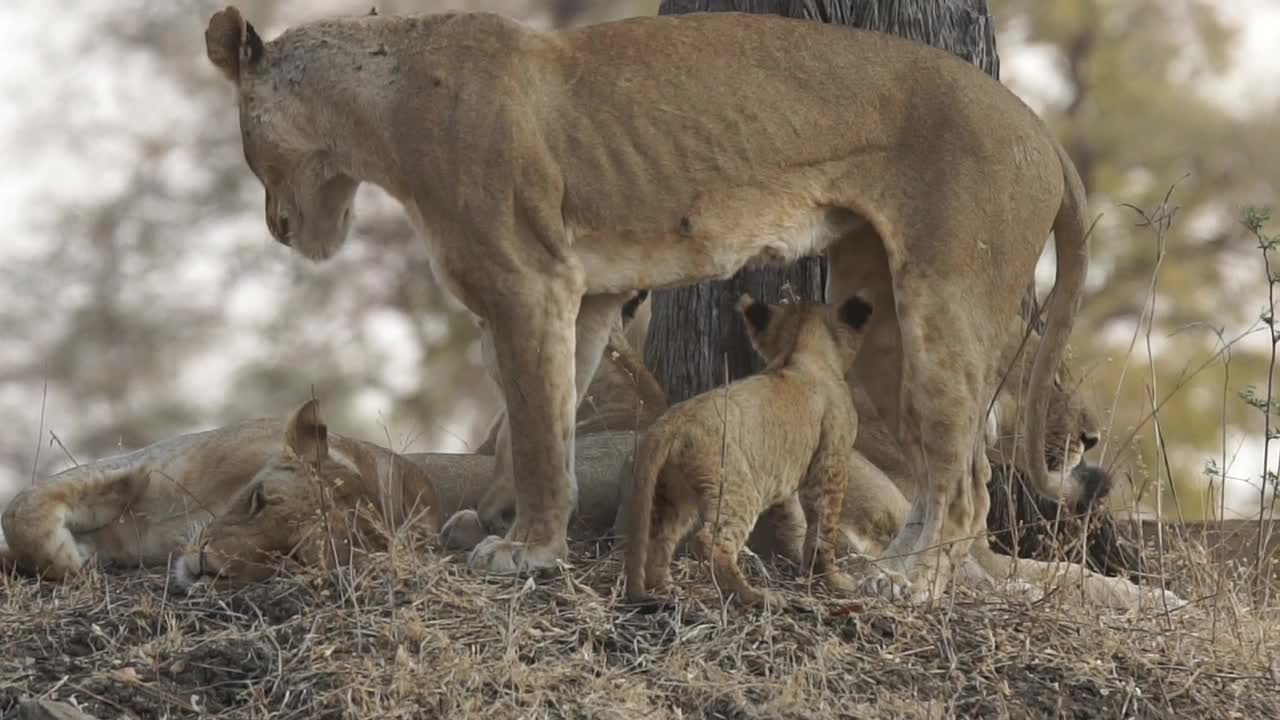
(414, 635)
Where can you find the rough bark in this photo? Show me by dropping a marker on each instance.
(693, 335)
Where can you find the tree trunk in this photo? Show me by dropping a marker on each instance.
(693, 335)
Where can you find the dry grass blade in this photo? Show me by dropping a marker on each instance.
(432, 640)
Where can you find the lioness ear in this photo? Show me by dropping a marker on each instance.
(854, 312)
(306, 434)
(756, 314)
(231, 42)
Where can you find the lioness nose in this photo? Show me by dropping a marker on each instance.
(1089, 440)
(281, 230)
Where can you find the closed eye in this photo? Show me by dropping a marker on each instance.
(257, 501)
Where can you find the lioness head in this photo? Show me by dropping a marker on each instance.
(300, 507)
(777, 331)
(308, 198)
(1072, 427)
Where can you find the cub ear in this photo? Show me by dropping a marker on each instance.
(306, 434)
(757, 314)
(854, 312)
(231, 42)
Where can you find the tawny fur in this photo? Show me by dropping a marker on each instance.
(718, 460)
(555, 172)
(143, 507)
(878, 499)
(623, 396)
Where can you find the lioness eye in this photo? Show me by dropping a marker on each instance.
(256, 501)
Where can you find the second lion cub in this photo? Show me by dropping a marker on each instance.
(729, 454)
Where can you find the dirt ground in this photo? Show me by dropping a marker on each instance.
(412, 635)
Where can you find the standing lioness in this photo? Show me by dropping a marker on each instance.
(555, 172)
(725, 456)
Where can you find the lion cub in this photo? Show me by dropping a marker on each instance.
(729, 454)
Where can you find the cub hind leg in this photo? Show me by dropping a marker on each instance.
(675, 512)
(822, 498)
(940, 433)
(725, 528)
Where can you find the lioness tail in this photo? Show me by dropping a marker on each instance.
(1071, 243)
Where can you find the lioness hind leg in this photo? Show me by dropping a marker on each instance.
(945, 369)
(1073, 579)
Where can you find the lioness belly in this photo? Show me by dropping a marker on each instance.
(709, 243)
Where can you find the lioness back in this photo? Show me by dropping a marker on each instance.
(725, 456)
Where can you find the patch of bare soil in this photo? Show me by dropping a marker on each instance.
(415, 636)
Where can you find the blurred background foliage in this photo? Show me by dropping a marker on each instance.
(1137, 102)
(145, 297)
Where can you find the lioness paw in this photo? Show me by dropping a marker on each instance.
(841, 582)
(463, 531)
(1021, 590)
(1170, 600)
(888, 585)
(1151, 599)
(771, 599)
(499, 556)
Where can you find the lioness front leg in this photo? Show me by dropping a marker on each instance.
(493, 514)
(41, 526)
(590, 331)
